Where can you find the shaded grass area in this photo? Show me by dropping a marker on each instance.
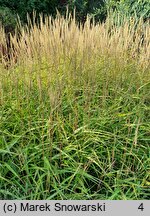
(76, 126)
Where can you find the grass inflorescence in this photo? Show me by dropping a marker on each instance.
(75, 111)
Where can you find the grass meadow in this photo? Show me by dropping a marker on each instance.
(75, 111)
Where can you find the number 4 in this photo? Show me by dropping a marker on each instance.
(141, 207)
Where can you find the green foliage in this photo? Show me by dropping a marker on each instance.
(94, 8)
(22, 7)
(128, 8)
(7, 18)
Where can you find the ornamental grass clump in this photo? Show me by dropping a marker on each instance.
(74, 110)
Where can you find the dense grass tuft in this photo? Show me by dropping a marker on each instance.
(75, 111)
